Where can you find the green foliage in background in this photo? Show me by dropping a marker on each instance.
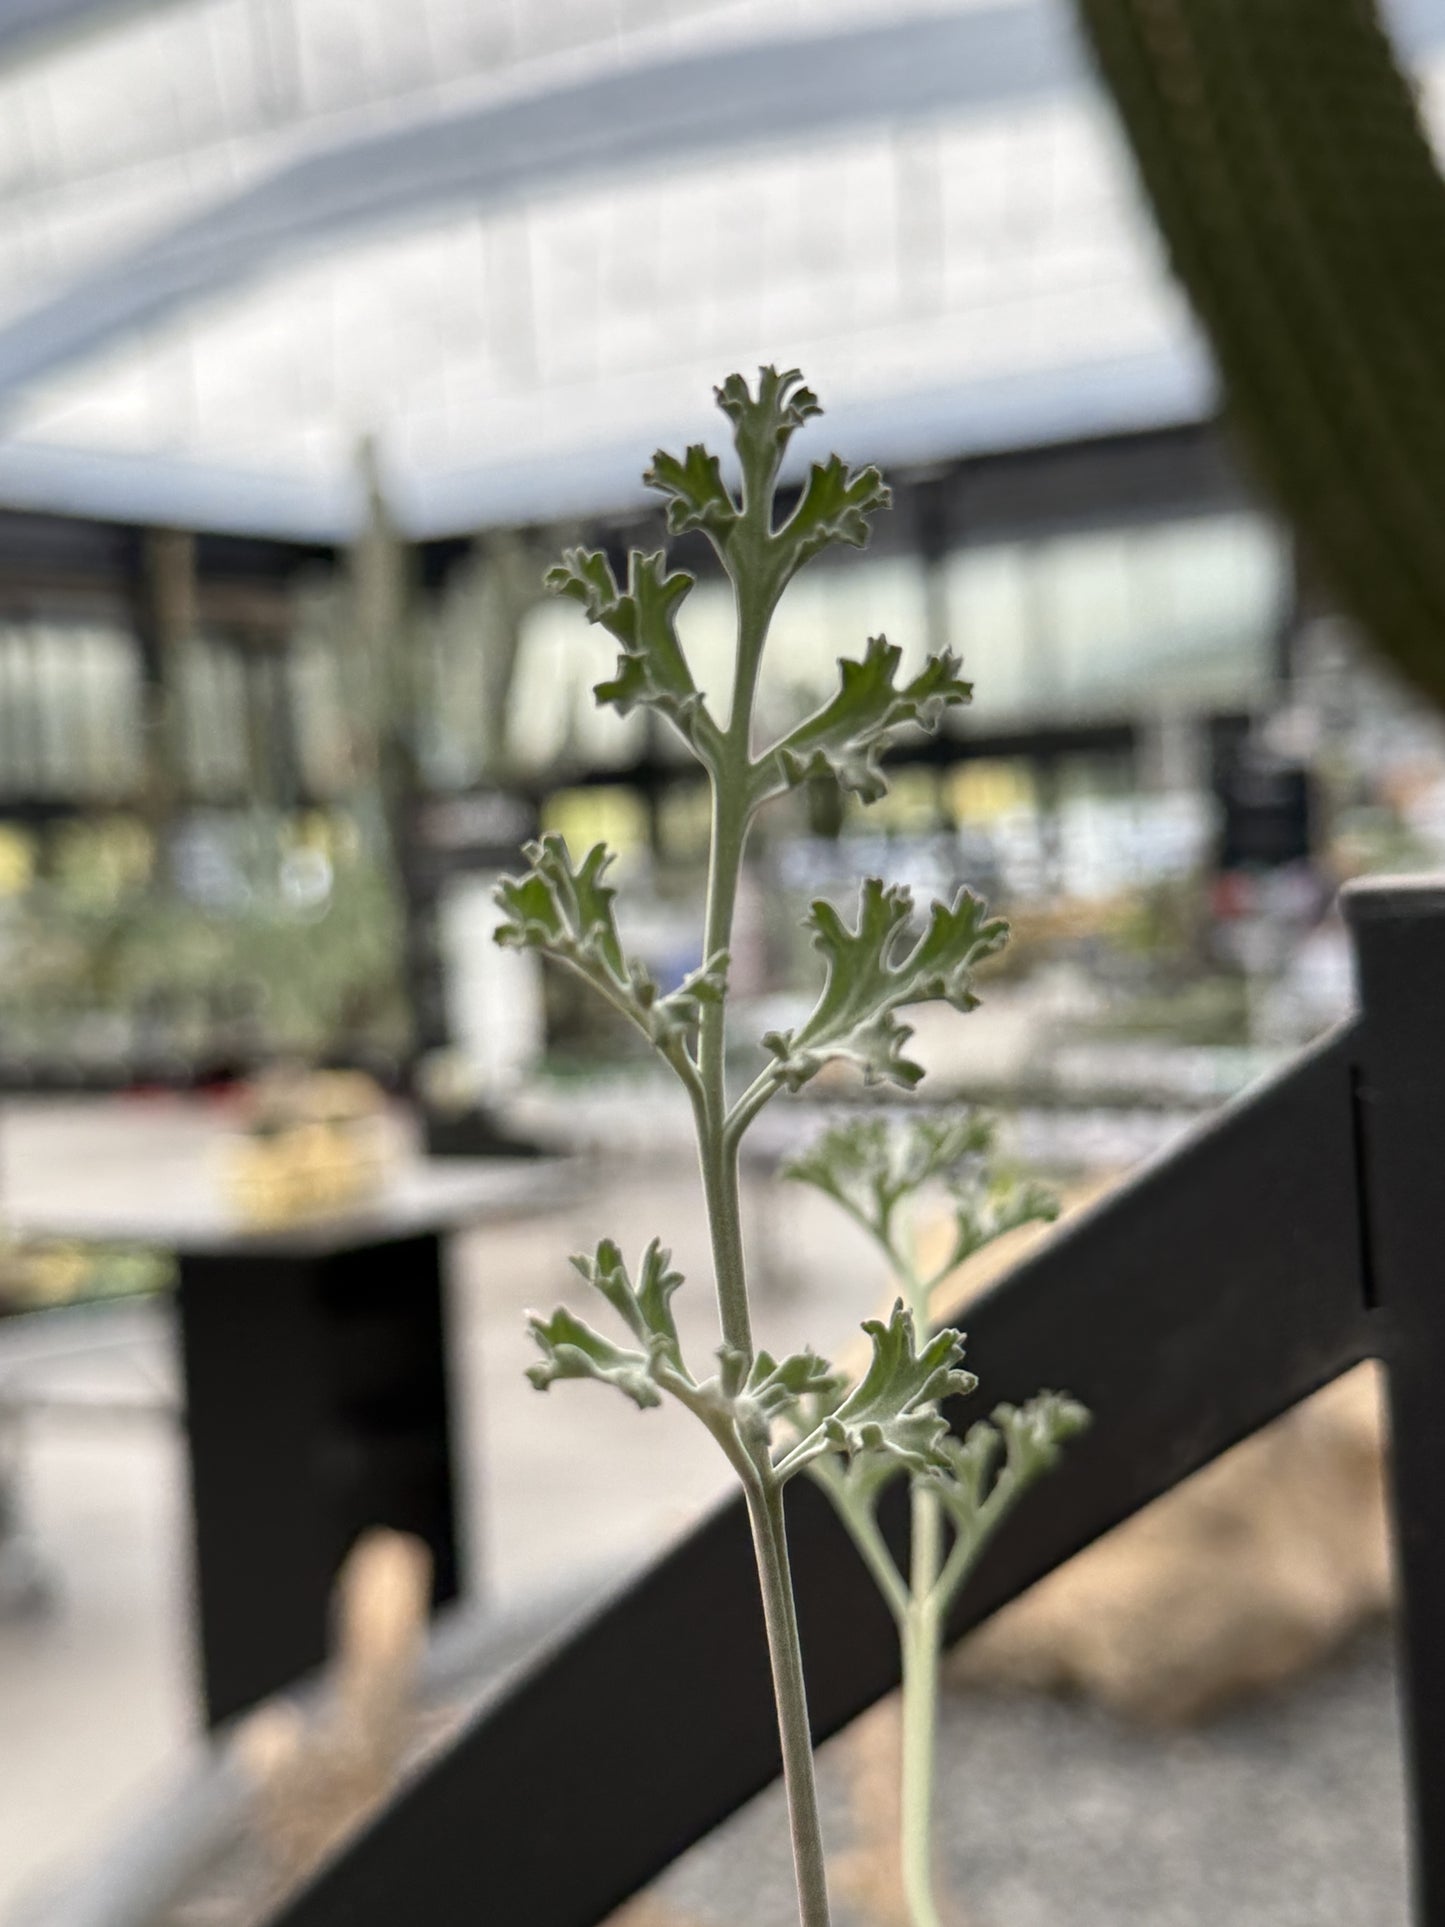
(101, 966)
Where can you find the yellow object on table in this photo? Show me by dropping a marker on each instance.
(314, 1145)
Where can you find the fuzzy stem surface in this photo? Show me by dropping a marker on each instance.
(921, 1640)
(765, 1511)
(717, 1147)
(920, 1738)
(718, 1154)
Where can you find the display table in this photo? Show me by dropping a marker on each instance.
(314, 1360)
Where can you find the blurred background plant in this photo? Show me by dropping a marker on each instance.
(292, 949)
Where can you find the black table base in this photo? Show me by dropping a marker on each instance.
(317, 1406)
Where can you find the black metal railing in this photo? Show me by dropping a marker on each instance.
(1300, 1232)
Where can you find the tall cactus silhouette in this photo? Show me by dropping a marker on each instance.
(1284, 154)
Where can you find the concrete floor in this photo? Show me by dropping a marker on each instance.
(1286, 1812)
(96, 1694)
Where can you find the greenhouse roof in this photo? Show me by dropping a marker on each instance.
(516, 241)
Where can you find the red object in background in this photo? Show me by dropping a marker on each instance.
(1233, 894)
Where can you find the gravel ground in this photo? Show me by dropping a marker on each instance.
(1286, 1813)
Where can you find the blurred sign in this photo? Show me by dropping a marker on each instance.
(1268, 812)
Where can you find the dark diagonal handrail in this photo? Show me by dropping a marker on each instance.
(1188, 1309)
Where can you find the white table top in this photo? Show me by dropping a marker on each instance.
(438, 1195)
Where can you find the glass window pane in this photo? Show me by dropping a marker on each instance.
(991, 620)
(1119, 621)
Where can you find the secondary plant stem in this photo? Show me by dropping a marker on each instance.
(920, 1724)
(921, 1636)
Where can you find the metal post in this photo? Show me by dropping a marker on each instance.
(317, 1406)
(1399, 932)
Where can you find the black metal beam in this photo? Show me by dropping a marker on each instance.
(63, 554)
(1399, 931)
(1019, 494)
(1187, 1310)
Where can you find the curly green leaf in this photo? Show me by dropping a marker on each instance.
(567, 912)
(977, 1490)
(572, 1349)
(563, 908)
(652, 671)
(646, 1307)
(698, 496)
(893, 1409)
(847, 736)
(784, 1393)
(870, 1164)
(966, 1475)
(991, 1210)
(777, 1389)
(900, 1377)
(1036, 1433)
(764, 423)
(834, 507)
(874, 971)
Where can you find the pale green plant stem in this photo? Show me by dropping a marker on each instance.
(718, 1152)
(922, 1633)
(765, 1510)
(873, 1549)
(920, 1648)
(677, 1057)
(731, 817)
(717, 1147)
(918, 1609)
(763, 1087)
